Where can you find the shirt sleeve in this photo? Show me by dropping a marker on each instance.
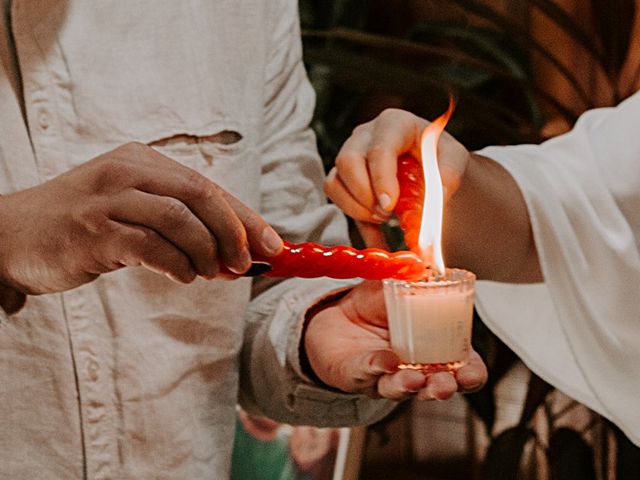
(272, 382)
(580, 330)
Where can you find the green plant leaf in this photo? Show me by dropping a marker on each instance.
(614, 25)
(516, 32)
(569, 26)
(570, 456)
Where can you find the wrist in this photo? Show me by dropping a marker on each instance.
(326, 302)
(487, 228)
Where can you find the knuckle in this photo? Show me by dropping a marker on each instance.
(361, 129)
(93, 220)
(344, 161)
(378, 148)
(201, 187)
(389, 113)
(134, 148)
(175, 211)
(112, 171)
(142, 241)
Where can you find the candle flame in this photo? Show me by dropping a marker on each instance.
(430, 237)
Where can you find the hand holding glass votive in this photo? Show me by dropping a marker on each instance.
(430, 320)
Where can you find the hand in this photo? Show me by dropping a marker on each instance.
(363, 182)
(347, 345)
(129, 207)
(487, 228)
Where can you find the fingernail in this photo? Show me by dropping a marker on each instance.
(242, 264)
(378, 218)
(385, 201)
(472, 387)
(271, 240)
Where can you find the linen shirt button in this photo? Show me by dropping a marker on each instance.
(43, 120)
(92, 370)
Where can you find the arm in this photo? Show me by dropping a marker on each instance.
(576, 198)
(286, 375)
(480, 195)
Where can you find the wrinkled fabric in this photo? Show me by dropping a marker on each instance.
(134, 376)
(580, 330)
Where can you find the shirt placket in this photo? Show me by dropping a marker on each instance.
(95, 382)
(42, 79)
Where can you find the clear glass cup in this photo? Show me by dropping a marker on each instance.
(430, 321)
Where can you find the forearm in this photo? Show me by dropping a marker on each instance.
(487, 228)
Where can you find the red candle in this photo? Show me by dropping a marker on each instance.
(310, 260)
(409, 206)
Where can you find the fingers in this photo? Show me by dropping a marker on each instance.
(171, 219)
(472, 376)
(407, 382)
(131, 245)
(206, 200)
(337, 191)
(372, 235)
(234, 226)
(401, 385)
(395, 132)
(351, 167)
(263, 239)
(439, 386)
(359, 373)
(365, 174)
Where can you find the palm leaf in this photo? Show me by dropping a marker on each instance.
(515, 31)
(400, 48)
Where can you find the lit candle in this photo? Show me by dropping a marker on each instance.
(429, 319)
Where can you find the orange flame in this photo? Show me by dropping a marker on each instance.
(430, 238)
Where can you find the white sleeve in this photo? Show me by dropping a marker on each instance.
(272, 380)
(580, 330)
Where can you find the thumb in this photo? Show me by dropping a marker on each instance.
(361, 372)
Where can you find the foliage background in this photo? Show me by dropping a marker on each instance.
(521, 71)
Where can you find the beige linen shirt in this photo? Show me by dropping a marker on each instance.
(133, 376)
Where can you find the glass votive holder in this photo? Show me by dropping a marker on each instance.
(430, 320)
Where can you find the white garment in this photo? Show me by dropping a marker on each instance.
(580, 331)
(133, 376)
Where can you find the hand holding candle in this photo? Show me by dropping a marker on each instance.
(429, 320)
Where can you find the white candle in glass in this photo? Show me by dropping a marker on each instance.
(430, 321)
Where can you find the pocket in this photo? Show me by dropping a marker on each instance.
(201, 149)
(222, 156)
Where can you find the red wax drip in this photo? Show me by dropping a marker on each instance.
(310, 260)
(409, 206)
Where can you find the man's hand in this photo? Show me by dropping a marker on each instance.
(347, 345)
(129, 207)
